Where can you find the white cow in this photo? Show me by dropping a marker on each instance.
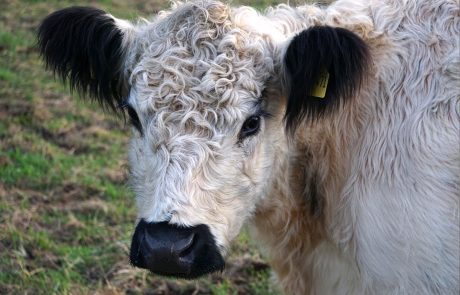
(333, 131)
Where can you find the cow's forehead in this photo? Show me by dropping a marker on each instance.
(196, 66)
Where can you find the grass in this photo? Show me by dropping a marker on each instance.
(66, 214)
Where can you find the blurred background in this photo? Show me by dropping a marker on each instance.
(66, 212)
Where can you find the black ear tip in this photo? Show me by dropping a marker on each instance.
(66, 17)
(324, 67)
(82, 45)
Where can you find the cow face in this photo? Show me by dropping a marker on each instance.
(200, 156)
(202, 90)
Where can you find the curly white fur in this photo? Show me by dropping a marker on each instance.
(387, 166)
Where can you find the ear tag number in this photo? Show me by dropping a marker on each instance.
(320, 87)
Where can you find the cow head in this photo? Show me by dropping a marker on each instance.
(202, 85)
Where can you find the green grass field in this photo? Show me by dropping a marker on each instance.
(66, 213)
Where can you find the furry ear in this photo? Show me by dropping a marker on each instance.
(323, 65)
(83, 46)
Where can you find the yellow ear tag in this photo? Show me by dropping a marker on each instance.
(320, 87)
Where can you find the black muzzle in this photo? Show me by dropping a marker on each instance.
(171, 250)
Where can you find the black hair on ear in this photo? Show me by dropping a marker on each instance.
(83, 46)
(340, 53)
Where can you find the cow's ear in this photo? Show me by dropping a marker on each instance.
(84, 47)
(323, 66)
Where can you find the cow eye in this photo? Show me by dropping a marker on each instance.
(250, 127)
(133, 118)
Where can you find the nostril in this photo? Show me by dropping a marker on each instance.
(183, 246)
